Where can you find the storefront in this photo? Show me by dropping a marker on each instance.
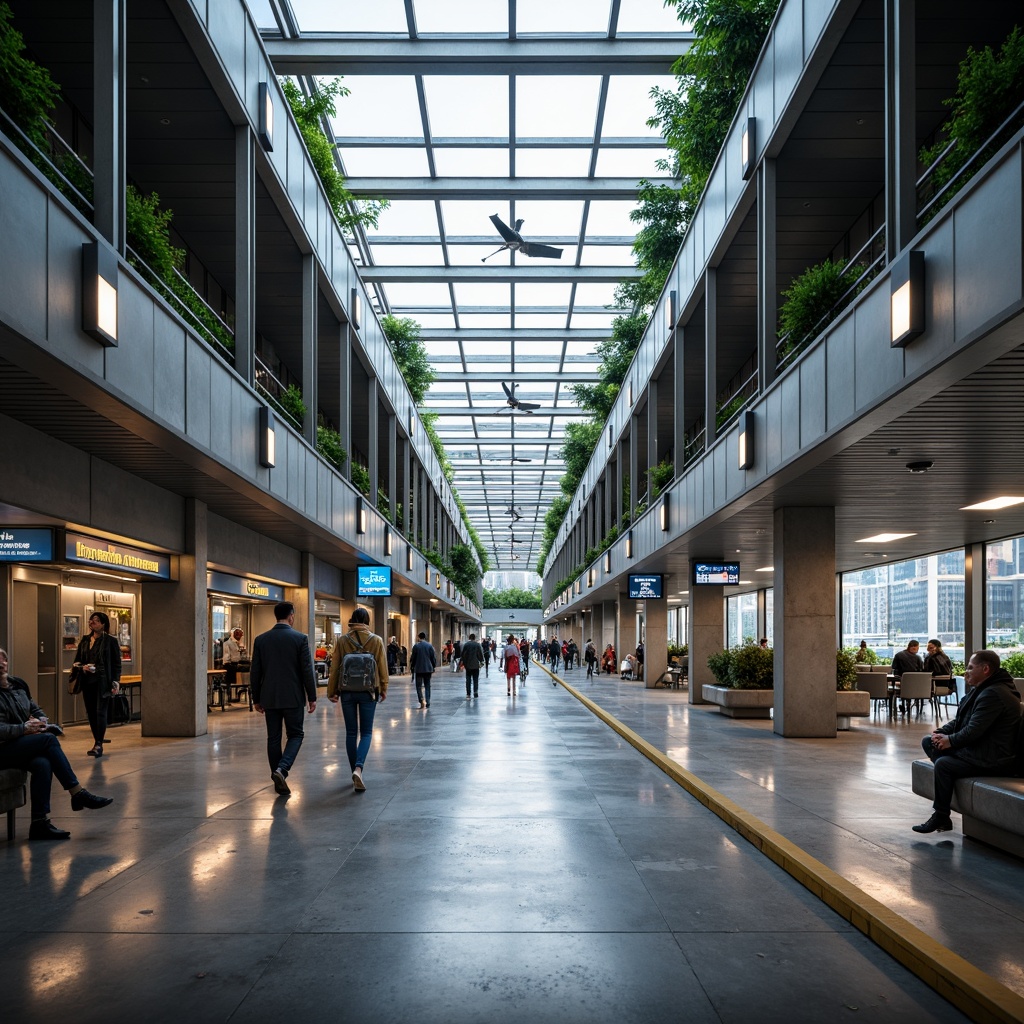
(54, 580)
(238, 602)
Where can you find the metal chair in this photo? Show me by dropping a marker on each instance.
(945, 687)
(878, 686)
(917, 686)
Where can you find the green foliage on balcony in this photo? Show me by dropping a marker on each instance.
(329, 446)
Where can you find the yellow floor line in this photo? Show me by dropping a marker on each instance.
(967, 987)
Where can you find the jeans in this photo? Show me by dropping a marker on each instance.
(291, 718)
(358, 709)
(96, 705)
(473, 676)
(42, 757)
(423, 686)
(949, 768)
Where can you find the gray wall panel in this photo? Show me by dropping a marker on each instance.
(790, 416)
(221, 422)
(788, 51)
(126, 504)
(879, 366)
(988, 234)
(169, 362)
(773, 423)
(197, 398)
(812, 396)
(841, 374)
(226, 26)
(23, 274)
(129, 366)
(939, 288)
(761, 94)
(326, 579)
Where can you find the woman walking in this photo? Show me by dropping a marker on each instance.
(97, 672)
(510, 662)
(358, 706)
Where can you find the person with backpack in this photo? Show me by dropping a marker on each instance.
(590, 654)
(510, 663)
(472, 659)
(359, 679)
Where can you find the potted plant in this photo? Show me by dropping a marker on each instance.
(850, 702)
(745, 678)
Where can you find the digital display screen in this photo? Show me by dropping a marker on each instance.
(716, 574)
(374, 581)
(25, 545)
(642, 587)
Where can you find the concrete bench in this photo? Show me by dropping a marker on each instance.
(12, 794)
(992, 806)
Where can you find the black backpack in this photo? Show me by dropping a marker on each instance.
(358, 670)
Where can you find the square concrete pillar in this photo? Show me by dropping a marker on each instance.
(707, 635)
(174, 677)
(805, 622)
(655, 641)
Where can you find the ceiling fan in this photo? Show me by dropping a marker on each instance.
(514, 404)
(513, 459)
(516, 242)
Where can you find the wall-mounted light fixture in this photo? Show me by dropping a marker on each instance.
(387, 540)
(408, 558)
(268, 437)
(437, 581)
(745, 441)
(360, 515)
(906, 304)
(99, 292)
(670, 312)
(412, 423)
(607, 562)
(629, 544)
(664, 513)
(426, 576)
(630, 392)
(609, 435)
(265, 126)
(590, 578)
(748, 146)
(356, 308)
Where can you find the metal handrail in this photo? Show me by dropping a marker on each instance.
(967, 165)
(752, 379)
(180, 307)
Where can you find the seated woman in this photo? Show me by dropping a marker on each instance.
(28, 742)
(608, 662)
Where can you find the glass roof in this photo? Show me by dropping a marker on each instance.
(459, 110)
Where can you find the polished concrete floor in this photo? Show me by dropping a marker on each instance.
(510, 860)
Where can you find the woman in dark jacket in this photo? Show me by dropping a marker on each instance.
(98, 671)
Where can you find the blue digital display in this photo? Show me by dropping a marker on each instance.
(25, 545)
(374, 581)
(643, 587)
(716, 574)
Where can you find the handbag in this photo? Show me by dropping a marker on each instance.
(118, 709)
(74, 682)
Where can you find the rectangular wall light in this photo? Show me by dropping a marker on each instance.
(748, 147)
(356, 308)
(265, 126)
(664, 513)
(387, 540)
(670, 312)
(629, 544)
(745, 441)
(408, 558)
(99, 293)
(360, 515)
(268, 437)
(906, 303)
(607, 563)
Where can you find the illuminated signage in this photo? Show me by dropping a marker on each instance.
(18, 545)
(374, 581)
(107, 555)
(716, 574)
(239, 586)
(643, 587)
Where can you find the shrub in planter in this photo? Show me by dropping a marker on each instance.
(720, 664)
(328, 444)
(812, 301)
(678, 650)
(846, 671)
(752, 668)
(361, 479)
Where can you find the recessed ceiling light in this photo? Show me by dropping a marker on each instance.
(1005, 501)
(766, 568)
(742, 582)
(165, 120)
(884, 538)
(989, 522)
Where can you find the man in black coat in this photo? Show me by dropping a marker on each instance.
(422, 662)
(981, 740)
(283, 683)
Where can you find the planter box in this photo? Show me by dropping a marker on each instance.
(851, 704)
(739, 703)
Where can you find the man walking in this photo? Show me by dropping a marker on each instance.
(422, 662)
(981, 740)
(282, 682)
(472, 659)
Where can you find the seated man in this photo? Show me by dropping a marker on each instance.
(908, 660)
(26, 743)
(981, 740)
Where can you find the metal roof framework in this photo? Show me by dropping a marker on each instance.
(458, 111)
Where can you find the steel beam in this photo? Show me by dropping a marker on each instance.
(546, 272)
(521, 377)
(498, 188)
(498, 142)
(331, 53)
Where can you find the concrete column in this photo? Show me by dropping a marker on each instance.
(381, 606)
(304, 598)
(345, 398)
(109, 121)
(900, 126)
(245, 255)
(655, 641)
(609, 623)
(710, 356)
(707, 635)
(625, 626)
(309, 346)
(974, 599)
(805, 622)
(349, 585)
(176, 686)
(767, 274)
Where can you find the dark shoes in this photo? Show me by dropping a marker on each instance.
(45, 829)
(280, 777)
(84, 799)
(936, 823)
(96, 751)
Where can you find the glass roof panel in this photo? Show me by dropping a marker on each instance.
(460, 16)
(350, 16)
(408, 255)
(552, 163)
(533, 294)
(556, 106)
(262, 14)
(472, 255)
(611, 217)
(594, 293)
(629, 163)
(471, 217)
(540, 319)
(629, 104)
(565, 16)
(485, 319)
(415, 293)
(442, 320)
(378, 105)
(458, 162)
(647, 16)
(550, 217)
(482, 294)
(606, 255)
(466, 106)
(392, 161)
(407, 217)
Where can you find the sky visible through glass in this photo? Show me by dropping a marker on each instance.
(560, 143)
